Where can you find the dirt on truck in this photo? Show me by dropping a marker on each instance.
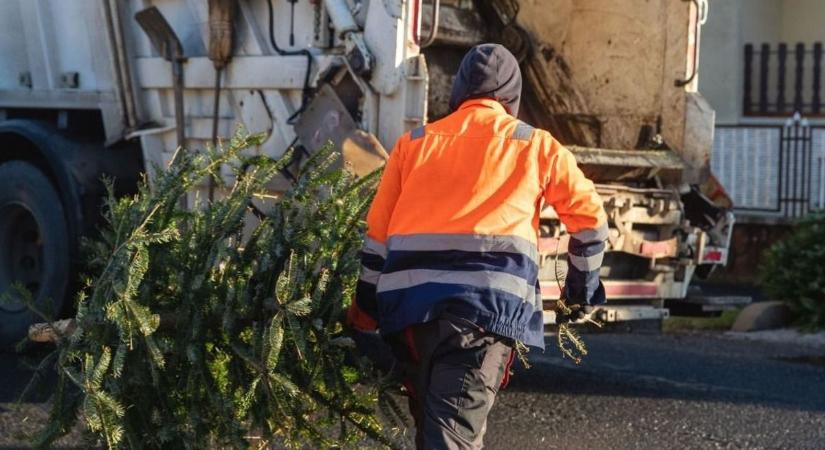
(111, 87)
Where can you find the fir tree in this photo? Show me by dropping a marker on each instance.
(199, 328)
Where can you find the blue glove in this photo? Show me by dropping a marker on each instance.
(371, 345)
(580, 305)
(582, 294)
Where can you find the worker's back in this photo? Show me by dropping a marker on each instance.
(458, 215)
(470, 173)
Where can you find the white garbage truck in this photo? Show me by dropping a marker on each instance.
(92, 88)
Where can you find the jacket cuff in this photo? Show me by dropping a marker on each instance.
(360, 320)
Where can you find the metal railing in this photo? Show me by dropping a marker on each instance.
(778, 82)
(771, 170)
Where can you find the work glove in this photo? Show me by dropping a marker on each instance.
(577, 312)
(580, 306)
(371, 344)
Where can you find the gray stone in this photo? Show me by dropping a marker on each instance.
(762, 316)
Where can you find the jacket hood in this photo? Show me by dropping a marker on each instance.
(488, 71)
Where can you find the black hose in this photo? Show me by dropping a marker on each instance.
(307, 53)
(215, 113)
(216, 106)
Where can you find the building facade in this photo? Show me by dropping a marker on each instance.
(761, 69)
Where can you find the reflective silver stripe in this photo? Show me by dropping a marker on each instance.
(417, 133)
(592, 235)
(369, 275)
(586, 263)
(530, 297)
(483, 279)
(375, 247)
(463, 242)
(523, 132)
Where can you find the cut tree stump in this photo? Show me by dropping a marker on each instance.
(51, 332)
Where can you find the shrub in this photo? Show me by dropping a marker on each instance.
(794, 271)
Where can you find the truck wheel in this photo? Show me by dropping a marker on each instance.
(34, 248)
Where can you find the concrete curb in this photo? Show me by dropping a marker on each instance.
(762, 316)
(782, 336)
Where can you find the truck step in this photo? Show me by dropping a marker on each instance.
(707, 305)
(618, 313)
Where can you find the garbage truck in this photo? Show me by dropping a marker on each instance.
(112, 88)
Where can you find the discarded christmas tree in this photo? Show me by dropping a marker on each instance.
(200, 328)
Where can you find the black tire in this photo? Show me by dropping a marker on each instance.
(35, 247)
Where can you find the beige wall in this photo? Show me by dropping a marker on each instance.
(760, 20)
(803, 21)
(734, 23)
(720, 60)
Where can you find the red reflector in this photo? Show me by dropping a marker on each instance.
(656, 249)
(713, 255)
(550, 291)
(612, 289)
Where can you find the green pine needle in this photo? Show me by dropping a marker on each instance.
(204, 328)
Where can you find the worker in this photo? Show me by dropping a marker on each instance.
(450, 262)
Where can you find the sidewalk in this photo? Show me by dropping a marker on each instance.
(782, 335)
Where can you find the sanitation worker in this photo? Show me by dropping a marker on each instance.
(450, 263)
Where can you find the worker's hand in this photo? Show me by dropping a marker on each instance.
(371, 345)
(577, 312)
(578, 295)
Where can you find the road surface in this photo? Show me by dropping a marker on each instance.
(666, 392)
(634, 391)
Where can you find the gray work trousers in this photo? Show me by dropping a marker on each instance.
(453, 371)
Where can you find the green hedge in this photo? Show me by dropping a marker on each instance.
(794, 271)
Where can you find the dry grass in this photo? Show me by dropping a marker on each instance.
(720, 323)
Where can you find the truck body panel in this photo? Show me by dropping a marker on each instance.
(614, 80)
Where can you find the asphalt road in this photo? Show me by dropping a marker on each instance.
(633, 391)
(666, 392)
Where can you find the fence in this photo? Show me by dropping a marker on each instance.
(775, 171)
(778, 82)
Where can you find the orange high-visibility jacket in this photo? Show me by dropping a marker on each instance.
(454, 226)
